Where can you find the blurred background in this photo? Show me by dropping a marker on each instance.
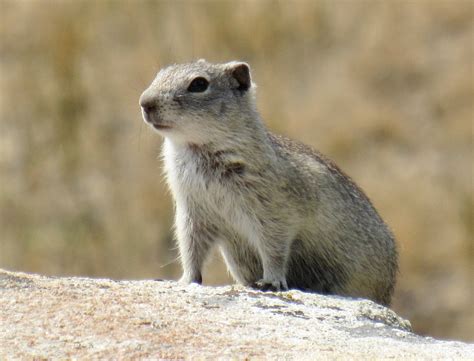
(384, 88)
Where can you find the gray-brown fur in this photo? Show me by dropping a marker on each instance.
(282, 214)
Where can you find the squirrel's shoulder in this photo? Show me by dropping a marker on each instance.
(290, 148)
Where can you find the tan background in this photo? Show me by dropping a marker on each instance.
(385, 88)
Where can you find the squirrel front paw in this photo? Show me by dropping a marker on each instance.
(186, 279)
(271, 285)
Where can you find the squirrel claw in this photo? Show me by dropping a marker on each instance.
(273, 286)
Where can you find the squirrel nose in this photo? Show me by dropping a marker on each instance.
(147, 103)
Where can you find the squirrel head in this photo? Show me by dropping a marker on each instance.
(201, 102)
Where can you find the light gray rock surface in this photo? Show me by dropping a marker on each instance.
(42, 317)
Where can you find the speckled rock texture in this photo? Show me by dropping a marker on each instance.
(82, 318)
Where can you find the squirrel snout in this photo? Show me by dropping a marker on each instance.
(148, 103)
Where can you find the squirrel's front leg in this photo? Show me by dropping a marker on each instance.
(194, 240)
(274, 250)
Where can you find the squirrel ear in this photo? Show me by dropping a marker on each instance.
(241, 73)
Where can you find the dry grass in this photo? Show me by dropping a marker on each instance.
(384, 88)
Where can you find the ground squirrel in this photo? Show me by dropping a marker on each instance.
(282, 214)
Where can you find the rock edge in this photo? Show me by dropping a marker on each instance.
(46, 317)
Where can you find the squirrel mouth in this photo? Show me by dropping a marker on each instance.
(156, 123)
(160, 126)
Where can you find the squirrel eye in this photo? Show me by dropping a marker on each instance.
(198, 85)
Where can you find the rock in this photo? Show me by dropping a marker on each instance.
(45, 317)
